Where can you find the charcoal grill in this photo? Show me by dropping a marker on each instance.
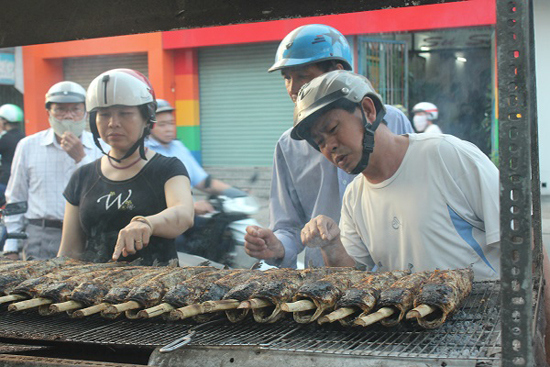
(472, 337)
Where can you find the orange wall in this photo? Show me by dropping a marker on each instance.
(43, 67)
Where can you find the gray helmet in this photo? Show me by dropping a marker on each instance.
(164, 106)
(65, 92)
(325, 90)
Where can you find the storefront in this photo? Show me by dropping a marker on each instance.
(230, 111)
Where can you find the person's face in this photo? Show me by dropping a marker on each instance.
(165, 128)
(295, 77)
(67, 111)
(120, 126)
(339, 136)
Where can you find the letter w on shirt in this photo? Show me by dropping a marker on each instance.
(111, 199)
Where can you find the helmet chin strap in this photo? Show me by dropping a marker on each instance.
(368, 140)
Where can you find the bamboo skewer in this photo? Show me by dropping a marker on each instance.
(65, 306)
(302, 305)
(221, 305)
(88, 311)
(244, 305)
(121, 307)
(259, 303)
(420, 311)
(12, 297)
(30, 303)
(155, 311)
(336, 315)
(381, 314)
(186, 312)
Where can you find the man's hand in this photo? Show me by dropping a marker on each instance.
(321, 231)
(132, 238)
(261, 243)
(203, 207)
(73, 146)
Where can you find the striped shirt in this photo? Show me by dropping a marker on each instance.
(40, 171)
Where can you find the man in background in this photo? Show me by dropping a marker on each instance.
(42, 166)
(11, 118)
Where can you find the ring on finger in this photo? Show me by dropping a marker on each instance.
(139, 241)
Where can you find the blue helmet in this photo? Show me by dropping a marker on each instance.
(312, 43)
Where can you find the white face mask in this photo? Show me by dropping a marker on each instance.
(420, 122)
(61, 126)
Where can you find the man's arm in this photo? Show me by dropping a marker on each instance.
(286, 213)
(17, 191)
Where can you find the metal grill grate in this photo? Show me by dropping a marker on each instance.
(471, 334)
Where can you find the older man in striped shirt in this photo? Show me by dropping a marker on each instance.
(41, 168)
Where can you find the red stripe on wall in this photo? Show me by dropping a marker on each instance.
(415, 18)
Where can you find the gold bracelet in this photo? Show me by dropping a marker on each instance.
(142, 219)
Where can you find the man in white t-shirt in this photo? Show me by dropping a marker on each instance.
(431, 201)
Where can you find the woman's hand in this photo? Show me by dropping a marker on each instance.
(132, 238)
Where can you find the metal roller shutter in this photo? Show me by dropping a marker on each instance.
(243, 109)
(83, 70)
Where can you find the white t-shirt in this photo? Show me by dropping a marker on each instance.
(433, 129)
(439, 210)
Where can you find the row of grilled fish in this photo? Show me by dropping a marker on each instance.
(203, 292)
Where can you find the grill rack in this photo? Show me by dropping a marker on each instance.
(473, 333)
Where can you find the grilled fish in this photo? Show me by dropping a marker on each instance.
(280, 289)
(243, 291)
(33, 286)
(192, 290)
(444, 291)
(11, 278)
(400, 296)
(362, 297)
(62, 290)
(151, 292)
(324, 293)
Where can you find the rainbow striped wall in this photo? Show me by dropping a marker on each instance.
(187, 100)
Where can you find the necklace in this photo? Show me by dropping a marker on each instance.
(124, 167)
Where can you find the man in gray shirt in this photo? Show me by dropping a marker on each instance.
(304, 183)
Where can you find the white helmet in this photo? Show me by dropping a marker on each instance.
(11, 113)
(430, 109)
(122, 87)
(65, 92)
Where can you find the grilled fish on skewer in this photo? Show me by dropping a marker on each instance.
(12, 277)
(115, 293)
(32, 287)
(266, 302)
(243, 292)
(443, 292)
(202, 311)
(323, 294)
(150, 293)
(87, 289)
(186, 293)
(395, 301)
(362, 297)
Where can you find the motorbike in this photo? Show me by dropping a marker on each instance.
(11, 209)
(219, 236)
